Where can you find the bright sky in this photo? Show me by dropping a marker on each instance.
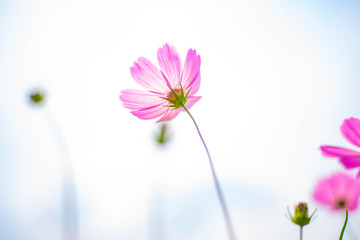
(278, 79)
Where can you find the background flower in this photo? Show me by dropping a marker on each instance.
(339, 192)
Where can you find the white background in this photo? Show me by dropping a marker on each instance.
(278, 79)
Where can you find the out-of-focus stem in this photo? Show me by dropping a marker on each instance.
(225, 211)
(69, 199)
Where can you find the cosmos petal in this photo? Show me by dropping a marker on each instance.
(169, 114)
(330, 151)
(191, 101)
(350, 162)
(190, 77)
(138, 99)
(150, 113)
(323, 192)
(148, 75)
(358, 175)
(350, 129)
(170, 64)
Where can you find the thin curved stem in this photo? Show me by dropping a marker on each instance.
(343, 229)
(220, 194)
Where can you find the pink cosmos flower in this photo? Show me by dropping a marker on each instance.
(350, 129)
(339, 191)
(163, 85)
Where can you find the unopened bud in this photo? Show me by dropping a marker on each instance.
(301, 216)
(37, 97)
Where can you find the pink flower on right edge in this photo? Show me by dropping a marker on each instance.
(339, 192)
(350, 129)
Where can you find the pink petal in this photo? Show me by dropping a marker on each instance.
(352, 206)
(349, 158)
(138, 99)
(330, 151)
(323, 193)
(191, 72)
(350, 162)
(170, 65)
(151, 112)
(191, 101)
(146, 74)
(170, 114)
(358, 175)
(352, 193)
(350, 129)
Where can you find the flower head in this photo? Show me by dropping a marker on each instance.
(350, 129)
(339, 191)
(167, 88)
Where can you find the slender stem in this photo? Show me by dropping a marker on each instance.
(301, 228)
(225, 211)
(343, 229)
(69, 206)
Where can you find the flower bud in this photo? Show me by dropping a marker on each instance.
(301, 216)
(37, 97)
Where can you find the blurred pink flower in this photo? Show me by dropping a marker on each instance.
(150, 103)
(339, 191)
(350, 129)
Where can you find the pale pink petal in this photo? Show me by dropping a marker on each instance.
(147, 74)
(358, 175)
(138, 99)
(323, 193)
(350, 129)
(352, 193)
(330, 151)
(170, 114)
(191, 101)
(352, 206)
(151, 112)
(340, 184)
(170, 65)
(190, 77)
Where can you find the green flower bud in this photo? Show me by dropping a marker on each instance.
(37, 97)
(301, 216)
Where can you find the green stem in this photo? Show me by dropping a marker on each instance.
(225, 211)
(343, 229)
